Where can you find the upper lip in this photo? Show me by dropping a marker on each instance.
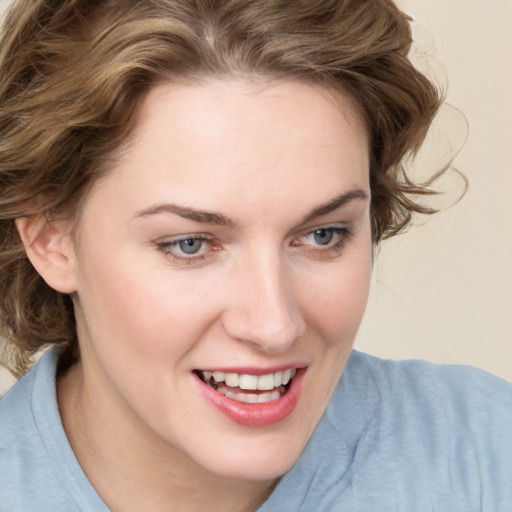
(251, 370)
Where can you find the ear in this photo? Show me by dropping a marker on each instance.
(50, 250)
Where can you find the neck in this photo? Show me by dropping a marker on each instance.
(133, 469)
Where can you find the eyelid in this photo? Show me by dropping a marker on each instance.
(342, 235)
(181, 238)
(330, 225)
(168, 241)
(167, 244)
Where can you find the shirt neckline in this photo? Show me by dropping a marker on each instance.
(48, 422)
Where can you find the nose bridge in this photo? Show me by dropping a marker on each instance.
(265, 310)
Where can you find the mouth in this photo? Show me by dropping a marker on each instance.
(248, 388)
(252, 398)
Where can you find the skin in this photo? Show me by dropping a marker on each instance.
(261, 292)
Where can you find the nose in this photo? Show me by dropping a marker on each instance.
(264, 307)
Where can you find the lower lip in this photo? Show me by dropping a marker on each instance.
(255, 415)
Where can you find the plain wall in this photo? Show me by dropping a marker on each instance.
(443, 291)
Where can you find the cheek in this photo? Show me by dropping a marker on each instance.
(145, 310)
(336, 304)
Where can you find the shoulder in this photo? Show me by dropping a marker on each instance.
(16, 421)
(417, 383)
(29, 479)
(407, 435)
(434, 397)
(437, 434)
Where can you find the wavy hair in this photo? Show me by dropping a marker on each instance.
(73, 72)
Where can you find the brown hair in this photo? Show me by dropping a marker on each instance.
(72, 73)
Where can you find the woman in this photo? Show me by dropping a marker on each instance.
(191, 195)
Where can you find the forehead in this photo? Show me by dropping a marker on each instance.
(217, 107)
(204, 142)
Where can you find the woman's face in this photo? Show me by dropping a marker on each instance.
(229, 249)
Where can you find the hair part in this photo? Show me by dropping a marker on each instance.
(74, 72)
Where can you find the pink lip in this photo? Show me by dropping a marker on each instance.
(251, 370)
(255, 415)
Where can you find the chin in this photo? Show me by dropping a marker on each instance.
(263, 459)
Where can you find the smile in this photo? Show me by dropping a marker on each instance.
(252, 398)
(247, 388)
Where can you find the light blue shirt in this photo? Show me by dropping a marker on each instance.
(397, 437)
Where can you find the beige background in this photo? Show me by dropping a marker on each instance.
(443, 291)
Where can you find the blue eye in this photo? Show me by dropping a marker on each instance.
(189, 249)
(324, 241)
(190, 245)
(323, 236)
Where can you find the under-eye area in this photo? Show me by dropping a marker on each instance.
(248, 388)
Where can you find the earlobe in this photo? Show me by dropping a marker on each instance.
(50, 250)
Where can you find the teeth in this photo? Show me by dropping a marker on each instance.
(218, 376)
(268, 397)
(252, 382)
(266, 382)
(251, 398)
(232, 380)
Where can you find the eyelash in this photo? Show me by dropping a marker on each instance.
(169, 247)
(343, 235)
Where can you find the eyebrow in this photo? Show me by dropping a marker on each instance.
(204, 217)
(334, 204)
(214, 218)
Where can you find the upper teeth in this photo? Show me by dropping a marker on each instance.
(246, 381)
